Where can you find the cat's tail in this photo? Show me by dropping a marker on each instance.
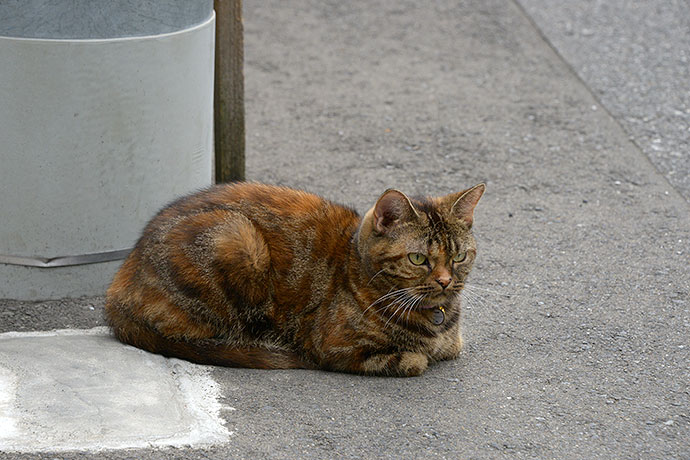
(209, 351)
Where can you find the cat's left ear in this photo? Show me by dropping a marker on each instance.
(463, 205)
(391, 209)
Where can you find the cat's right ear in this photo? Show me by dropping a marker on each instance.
(463, 207)
(392, 208)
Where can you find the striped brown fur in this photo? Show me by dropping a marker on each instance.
(252, 275)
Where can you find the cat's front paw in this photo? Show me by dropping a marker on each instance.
(400, 364)
(448, 347)
(412, 364)
(454, 349)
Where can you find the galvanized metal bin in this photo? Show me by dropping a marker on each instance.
(106, 114)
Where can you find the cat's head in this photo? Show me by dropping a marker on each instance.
(422, 247)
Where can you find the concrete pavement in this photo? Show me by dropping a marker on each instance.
(83, 390)
(577, 320)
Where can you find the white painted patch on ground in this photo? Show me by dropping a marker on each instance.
(83, 390)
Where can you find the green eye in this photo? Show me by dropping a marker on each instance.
(416, 258)
(460, 257)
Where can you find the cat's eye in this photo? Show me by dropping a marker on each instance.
(460, 257)
(416, 258)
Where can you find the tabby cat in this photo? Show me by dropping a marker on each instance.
(251, 275)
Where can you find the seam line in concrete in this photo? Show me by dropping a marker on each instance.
(603, 107)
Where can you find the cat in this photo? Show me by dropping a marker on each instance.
(253, 275)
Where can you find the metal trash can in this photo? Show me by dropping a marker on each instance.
(106, 114)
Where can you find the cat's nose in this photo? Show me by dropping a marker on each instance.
(444, 282)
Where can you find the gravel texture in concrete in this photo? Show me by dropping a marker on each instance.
(577, 318)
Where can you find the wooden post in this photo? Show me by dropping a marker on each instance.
(229, 92)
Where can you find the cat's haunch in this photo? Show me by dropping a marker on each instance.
(252, 275)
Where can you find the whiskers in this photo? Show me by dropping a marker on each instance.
(475, 296)
(377, 274)
(402, 300)
(407, 306)
(397, 304)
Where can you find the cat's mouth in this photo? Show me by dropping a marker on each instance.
(432, 305)
(436, 301)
